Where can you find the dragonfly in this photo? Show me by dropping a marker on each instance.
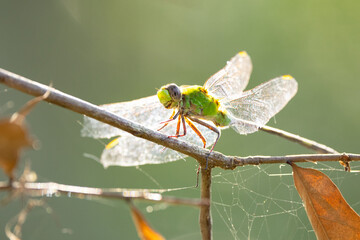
(219, 104)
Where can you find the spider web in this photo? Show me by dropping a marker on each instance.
(258, 202)
(261, 202)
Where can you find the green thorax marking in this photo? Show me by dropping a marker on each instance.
(197, 102)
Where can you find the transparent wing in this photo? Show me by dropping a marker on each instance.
(229, 82)
(256, 106)
(148, 111)
(133, 151)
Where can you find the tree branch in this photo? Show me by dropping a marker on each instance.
(205, 214)
(215, 159)
(257, 160)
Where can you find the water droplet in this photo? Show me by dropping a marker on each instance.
(149, 209)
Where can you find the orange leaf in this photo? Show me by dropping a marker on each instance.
(145, 232)
(330, 215)
(14, 136)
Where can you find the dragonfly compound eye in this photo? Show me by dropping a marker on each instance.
(175, 92)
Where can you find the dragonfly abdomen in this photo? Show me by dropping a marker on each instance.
(222, 119)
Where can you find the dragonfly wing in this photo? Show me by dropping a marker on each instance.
(133, 151)
(255, 108)
(229, 82)
(148, 111)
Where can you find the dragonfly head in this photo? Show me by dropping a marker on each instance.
(169, 95)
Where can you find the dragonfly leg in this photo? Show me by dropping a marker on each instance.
(197, 131)
(180, 119)
(214, 129)
(184, 125)
(211, 128)
(197, 176)
(172, 118)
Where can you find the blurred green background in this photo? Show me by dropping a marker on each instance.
(111, 51)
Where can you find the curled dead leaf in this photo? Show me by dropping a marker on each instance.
(330, 215)
(14, 136)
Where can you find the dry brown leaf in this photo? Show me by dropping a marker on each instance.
(330, 215)
(14, 136)
(145, 232)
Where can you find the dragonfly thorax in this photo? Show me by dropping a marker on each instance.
(199, 103)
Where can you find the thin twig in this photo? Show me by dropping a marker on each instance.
(257, 160)
(319, 148)
(205, 214)
(51, 189)
(13, 228)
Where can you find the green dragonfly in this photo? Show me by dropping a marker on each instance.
(219, 104)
